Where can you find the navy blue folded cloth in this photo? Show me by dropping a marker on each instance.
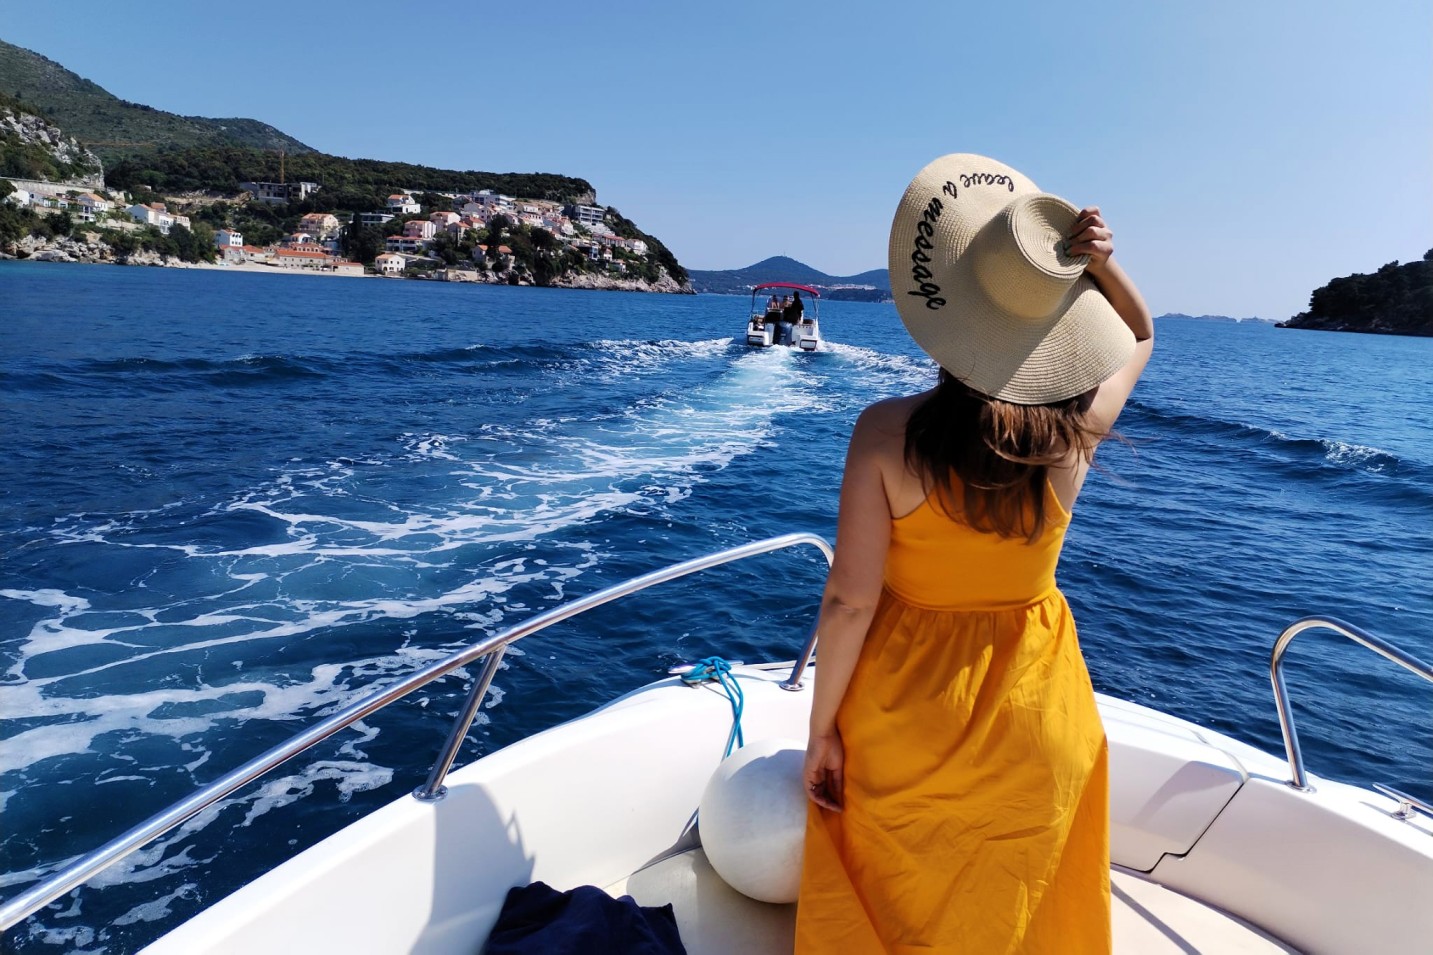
(539, 920)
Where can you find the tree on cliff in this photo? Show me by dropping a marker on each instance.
(1395, 300)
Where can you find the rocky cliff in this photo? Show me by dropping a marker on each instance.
(33, 148)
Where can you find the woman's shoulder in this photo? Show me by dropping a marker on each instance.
(891, 413)
(882, 426)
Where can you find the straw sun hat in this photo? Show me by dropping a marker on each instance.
(984, 285)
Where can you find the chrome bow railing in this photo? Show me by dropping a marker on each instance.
(1299, 779)
(86, 867)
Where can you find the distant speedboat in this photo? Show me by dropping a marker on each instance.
(797, 325)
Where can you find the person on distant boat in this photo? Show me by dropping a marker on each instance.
(957, 767)
(773, 307)
(782, 335)
(794, 310)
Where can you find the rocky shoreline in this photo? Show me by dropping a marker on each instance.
(89, 248)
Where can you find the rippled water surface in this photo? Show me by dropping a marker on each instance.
(230, 503)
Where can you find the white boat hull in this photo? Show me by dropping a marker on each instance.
(804, 335)
(605, 796)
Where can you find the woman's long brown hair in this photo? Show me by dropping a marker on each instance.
(1001, 452)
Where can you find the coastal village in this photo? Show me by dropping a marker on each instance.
(58, 203)
(409, 233)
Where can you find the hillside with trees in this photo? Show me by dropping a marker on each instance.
(1395, 300)
(872, 286)
(194, 168)
(348, 184)
(114, 127)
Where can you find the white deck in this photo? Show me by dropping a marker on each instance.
(714, 919)
(610, 800)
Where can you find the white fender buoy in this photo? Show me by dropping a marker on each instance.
(753, 819)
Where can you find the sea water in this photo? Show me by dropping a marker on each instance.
(231, 503)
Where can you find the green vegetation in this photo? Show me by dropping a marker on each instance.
(31, 160)
(627, 229)
(113, 127)
(355, 185)
(158, 157)
(196, 245)
(15, 222)
(1395, 300)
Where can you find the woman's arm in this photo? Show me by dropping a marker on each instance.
(1093, 238)
(853, 588)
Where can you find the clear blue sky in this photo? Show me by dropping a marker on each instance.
(1244, 153)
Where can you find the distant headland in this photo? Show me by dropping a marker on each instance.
(872, 286)
(88, 177)
(1395, 300)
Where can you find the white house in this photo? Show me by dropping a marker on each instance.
(485, 201)
(228, 238)
(585, 215)
(459, 226)
(420, 229)
(280, 191)
(389, 263)
(154, 214)
(403, 204)
(406, 243)
(91, 205)
(374, 218)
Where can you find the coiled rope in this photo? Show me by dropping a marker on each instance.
(718, 670)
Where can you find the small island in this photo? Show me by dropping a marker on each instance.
(1395, 300)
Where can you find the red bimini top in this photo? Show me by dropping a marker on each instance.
(803, 288)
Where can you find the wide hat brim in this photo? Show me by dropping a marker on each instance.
(984, 285)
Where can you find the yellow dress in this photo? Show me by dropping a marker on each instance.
(977, 794)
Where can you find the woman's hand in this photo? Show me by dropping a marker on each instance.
(1091, 237)
(824, 771)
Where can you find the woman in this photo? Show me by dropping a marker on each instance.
(957, 764)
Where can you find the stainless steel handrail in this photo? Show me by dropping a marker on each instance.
(89, 865)
(1299, 779)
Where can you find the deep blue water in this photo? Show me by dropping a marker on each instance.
(230, 503)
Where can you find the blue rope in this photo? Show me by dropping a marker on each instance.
(719, 670)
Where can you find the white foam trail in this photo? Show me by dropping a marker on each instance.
(526, 484)
(883, 375)
(49, 598)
